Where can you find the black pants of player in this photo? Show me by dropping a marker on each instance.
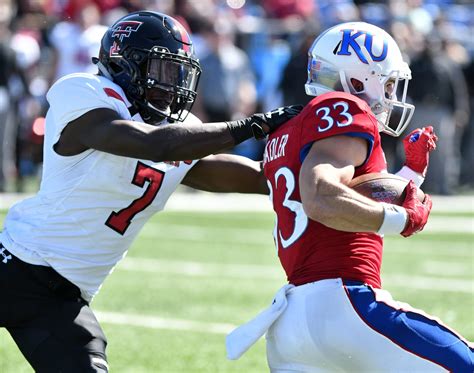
(52, 325)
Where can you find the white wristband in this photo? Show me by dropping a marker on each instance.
(394, 219)
(407, 173)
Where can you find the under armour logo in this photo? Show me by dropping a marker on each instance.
(6, 257)
(279, 111)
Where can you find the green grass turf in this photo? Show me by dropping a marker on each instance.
(237, 274)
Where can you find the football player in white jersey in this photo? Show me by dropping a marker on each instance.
(114, 152)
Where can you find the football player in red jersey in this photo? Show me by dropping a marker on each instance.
(330, 238)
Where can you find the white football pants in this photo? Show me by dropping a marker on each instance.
(338, 326)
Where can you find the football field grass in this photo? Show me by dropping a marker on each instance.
(191, 276)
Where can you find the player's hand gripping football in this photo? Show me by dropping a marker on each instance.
(268, 122)
(417, 212)
(418, 145)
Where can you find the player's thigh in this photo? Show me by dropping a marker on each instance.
(411, 339)
(66, 337)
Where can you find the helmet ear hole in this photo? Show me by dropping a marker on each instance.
(357, 85)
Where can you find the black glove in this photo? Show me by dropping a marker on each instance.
(259, 125)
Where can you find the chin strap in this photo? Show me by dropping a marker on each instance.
(104, 72)
(132, 110)
(102, 69)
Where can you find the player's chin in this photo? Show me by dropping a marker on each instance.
(161, 106)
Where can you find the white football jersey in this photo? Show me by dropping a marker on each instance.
(90, 206)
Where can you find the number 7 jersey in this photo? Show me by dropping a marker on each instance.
(90, 206)
(310, 251)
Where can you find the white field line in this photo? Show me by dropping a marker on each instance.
(156, 322)
(203, 201)
(208, 202)
(196, 269)
(261, 236)
(450, 224)
(433, 267)
(429, 283)
(463, 253)
(197, 233)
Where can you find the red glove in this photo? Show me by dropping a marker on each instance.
(418, 145)
(417, 212)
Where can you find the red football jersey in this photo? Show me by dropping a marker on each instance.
(308, 250)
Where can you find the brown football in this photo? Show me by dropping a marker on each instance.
(383, 187)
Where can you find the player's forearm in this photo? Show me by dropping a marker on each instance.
(227, 173)
(168, 142)
(339, 207)
(181, 142)
(328, 200)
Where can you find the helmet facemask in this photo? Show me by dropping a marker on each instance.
(170, 83)
(381, 92)
(163, 84)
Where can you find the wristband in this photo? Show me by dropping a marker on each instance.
(244, 129)
(407, 173)
(240, 130)
(394, 219)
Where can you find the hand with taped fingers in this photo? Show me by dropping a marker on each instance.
(417, 212)
(418, 144)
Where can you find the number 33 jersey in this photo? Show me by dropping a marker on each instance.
(308, 250)
(92, 205)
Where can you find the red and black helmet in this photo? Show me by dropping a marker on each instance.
(150, 55)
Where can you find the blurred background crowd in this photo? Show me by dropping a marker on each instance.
(254, 56)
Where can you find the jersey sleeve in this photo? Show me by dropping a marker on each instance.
(340, 114)
(74, 95)
(192, 119)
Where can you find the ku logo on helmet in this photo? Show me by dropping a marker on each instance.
(124, 29)
(349, 39)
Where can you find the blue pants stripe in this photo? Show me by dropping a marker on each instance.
(412, 331)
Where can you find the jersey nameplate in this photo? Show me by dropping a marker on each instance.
(275, 148)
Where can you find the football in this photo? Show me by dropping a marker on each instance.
(383, 187)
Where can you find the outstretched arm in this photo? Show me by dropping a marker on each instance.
(227, 173)
(104, 130)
